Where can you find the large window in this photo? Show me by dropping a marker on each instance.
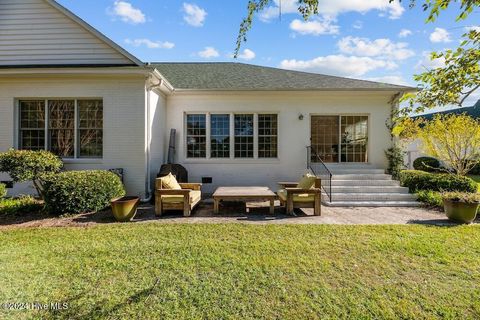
(220, 135)
(69, 128)
(267, 135)
(196, 136)
(244, 136)
(229, 135)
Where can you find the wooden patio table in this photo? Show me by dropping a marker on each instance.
(244, 194)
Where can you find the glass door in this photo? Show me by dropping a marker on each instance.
(340, 138)
(325, 137)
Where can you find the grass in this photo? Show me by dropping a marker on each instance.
(236, 271)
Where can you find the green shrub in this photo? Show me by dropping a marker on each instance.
(420, 180)
(22, 205)
(427, 164)
(462, 197)
(26, 165)
(3, 190)
(81, 191)
(396, 164)
(430, 198)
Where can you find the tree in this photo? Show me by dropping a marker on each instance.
(451, 84)
(446, 139)
(26, 165)
(307, 8)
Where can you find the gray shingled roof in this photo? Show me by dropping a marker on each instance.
(240, 76)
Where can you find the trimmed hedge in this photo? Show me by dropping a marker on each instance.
(420, 180)
(81, 191)
(427, 164)
(3, 190)
(430, 198)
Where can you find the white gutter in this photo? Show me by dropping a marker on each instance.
(148, 189)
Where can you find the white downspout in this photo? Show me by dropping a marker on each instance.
(148, 189)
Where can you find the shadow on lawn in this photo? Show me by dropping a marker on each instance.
(100, 309)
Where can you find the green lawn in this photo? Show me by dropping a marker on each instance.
(180, 271)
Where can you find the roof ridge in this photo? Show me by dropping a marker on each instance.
(281, 70)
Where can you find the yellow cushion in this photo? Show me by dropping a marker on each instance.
(307, 181)
(195, 196)
(169, 182)
(302, 197)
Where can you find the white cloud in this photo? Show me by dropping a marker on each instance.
(127, 13)
(209, 52)
(357, 24)
(150, 44)
(334, 7)
(474, 28)
(339, 65)
(404, 33)
(247, 54)
(392, 79)
(315, 26)
(194, 15)
(426, 63)
(377, 48)
(440, 35)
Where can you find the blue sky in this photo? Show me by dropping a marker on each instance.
(370, 39)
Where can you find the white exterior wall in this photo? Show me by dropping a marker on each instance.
(294, 134)
(159, 135)
(123, 113)
(32, 32)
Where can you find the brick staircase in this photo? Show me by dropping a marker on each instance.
(362, 185)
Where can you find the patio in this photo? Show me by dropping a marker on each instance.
(257, 213)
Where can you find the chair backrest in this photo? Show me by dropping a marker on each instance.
(318, 183)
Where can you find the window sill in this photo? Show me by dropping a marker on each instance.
(83, 161)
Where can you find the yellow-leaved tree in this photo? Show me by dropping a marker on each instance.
(453, 139)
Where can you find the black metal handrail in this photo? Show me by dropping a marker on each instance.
(318, 167)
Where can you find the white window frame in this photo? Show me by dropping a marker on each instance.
(76, 157)
(232, 136)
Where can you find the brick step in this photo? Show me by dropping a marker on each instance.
(342, 171)
(369, 189)
(372, 204)
(373, 197)
(379, 176)
(353, 182)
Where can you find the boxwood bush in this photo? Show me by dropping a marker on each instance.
(430, 198)
(417, 180)
(427, 164)
(81, 191)
(3, 190)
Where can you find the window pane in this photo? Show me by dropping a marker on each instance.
(220, 135)
(354, 130)
(32, 125)
(244, 136)
(61, 127)
(267, 136)
(90, 128)
(196, 136)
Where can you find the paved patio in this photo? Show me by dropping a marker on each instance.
(254, 213)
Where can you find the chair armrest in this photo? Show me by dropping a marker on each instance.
(193, 186)
(287, 184)
(172, 192)
(302, 191)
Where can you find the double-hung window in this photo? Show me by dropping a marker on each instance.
(232, 135)
(69, 128)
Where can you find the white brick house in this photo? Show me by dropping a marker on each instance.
(237, 124)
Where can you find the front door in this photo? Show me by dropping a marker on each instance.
(340, 138)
